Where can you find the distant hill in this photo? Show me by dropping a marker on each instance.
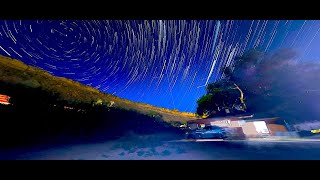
(14, 72)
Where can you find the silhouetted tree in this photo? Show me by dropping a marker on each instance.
(272, 85)
(226, 96)
(223, 96)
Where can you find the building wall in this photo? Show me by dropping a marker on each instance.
(223, 123)
(275, 128)
(236, 124)
(249, 129)
(226, 123)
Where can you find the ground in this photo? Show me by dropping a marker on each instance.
(159, 147)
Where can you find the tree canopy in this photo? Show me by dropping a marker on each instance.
(273, 84)
(222, 96)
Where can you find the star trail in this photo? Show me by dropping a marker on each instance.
(166, 63)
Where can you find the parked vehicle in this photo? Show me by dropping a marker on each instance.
(208, 132)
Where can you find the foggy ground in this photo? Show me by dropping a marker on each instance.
(160, 147)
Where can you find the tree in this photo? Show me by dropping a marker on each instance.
(268, 85)
(226, 96)
(222, 97)
(205, 104)
(276, 84)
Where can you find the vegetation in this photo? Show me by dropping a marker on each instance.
(14, 72)
(47, 107)
(267, 85)
(154, 114)
(222, 96)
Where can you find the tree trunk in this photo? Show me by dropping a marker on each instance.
(241, 95)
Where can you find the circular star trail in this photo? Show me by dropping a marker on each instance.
(165, 63)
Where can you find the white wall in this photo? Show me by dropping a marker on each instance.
(261, 127)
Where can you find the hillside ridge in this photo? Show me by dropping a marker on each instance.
(13, 71)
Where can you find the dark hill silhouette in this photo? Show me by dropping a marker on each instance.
(47, 108)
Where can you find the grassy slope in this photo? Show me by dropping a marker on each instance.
(15, 72)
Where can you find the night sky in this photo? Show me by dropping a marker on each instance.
(166, 63)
